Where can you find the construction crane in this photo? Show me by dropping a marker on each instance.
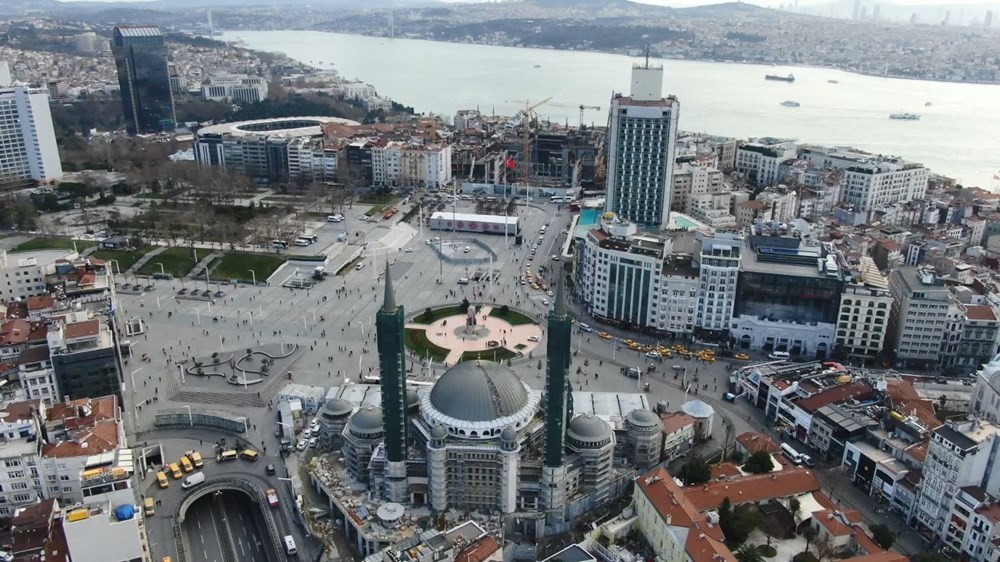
(527, 116)
(582, 107)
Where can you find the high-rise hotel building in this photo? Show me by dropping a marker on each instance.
(642, 131)
(28, 151)
(147, 100)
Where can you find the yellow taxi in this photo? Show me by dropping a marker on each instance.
(629, 343)
(604, 335)
(635, 347)
(741, 356)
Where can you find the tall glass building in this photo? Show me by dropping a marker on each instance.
(141, 58)
(642, 131)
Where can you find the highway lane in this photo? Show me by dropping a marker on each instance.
(246, 527)
(201, 532)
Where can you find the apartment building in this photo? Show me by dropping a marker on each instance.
(692, 180)
(30, 153)
(925, 324)
(641, 140)
(872, 182)
(863, 317)
(22, 274)
(20, 443)
(760, 161)
(718, 261)
(980, 337)
(960, 470)
(86, 457)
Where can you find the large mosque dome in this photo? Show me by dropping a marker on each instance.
(479, 399)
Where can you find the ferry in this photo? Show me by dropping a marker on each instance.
(790, 103)
(833, 81)
(789, 78)
(905, 116)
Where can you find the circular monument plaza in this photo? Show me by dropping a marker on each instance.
(450, 336)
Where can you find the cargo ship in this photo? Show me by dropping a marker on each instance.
(905, 116)
(789, 78)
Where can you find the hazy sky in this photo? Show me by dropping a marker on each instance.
(701, 2)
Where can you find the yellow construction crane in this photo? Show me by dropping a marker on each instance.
(528, 115)
(582, 107)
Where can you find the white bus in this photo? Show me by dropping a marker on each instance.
(290, 545)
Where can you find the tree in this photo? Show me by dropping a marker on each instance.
(737, 524)
(794, 506)
(695, 471)
(883, 535)
(759, 463)
(749, 553)
(810, 534)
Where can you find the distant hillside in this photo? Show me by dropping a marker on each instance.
(723, 9)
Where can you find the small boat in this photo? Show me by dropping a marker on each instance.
(928, 104)
(833, 81)
(790, 103)
(789, 78)
(538, 66)
(905, 116)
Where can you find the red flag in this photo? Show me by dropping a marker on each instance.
(511, 164)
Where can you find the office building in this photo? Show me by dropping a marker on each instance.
(788, 292)
(863, 317)
(642, 133)
(235, 88)
(926, 320)
(29, 155)
(147, 100)
(84, 357)
(871, 182)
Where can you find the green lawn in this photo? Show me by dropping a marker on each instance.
(53, 244)
(176, 261)
(416, 340)
(499, 354)
(437, 314)
(125, 258)
(236, 265)
(514, 317)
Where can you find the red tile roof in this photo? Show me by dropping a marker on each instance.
(704, 541)
(979, 312)
(858, 389)
(14, 332)
(754, 488)
(480, 551)
(41, 302)
(101, 437)
(887, 556)
(19, 410)
(753, 442)
(725, 469)
(87, 328)
(674, 422)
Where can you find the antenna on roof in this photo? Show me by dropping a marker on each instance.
(647, 56)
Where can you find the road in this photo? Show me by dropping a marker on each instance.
(211, 519)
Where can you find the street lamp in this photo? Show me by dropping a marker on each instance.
(190, 416)
(253, 275)
(162, 271)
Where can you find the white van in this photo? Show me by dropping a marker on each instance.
(301, 242)
(463, 280)
(780, 355)
(335, 218)
(290, 545)
(193, 480)
(791, 453)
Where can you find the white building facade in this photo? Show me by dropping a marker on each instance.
(27, 135)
